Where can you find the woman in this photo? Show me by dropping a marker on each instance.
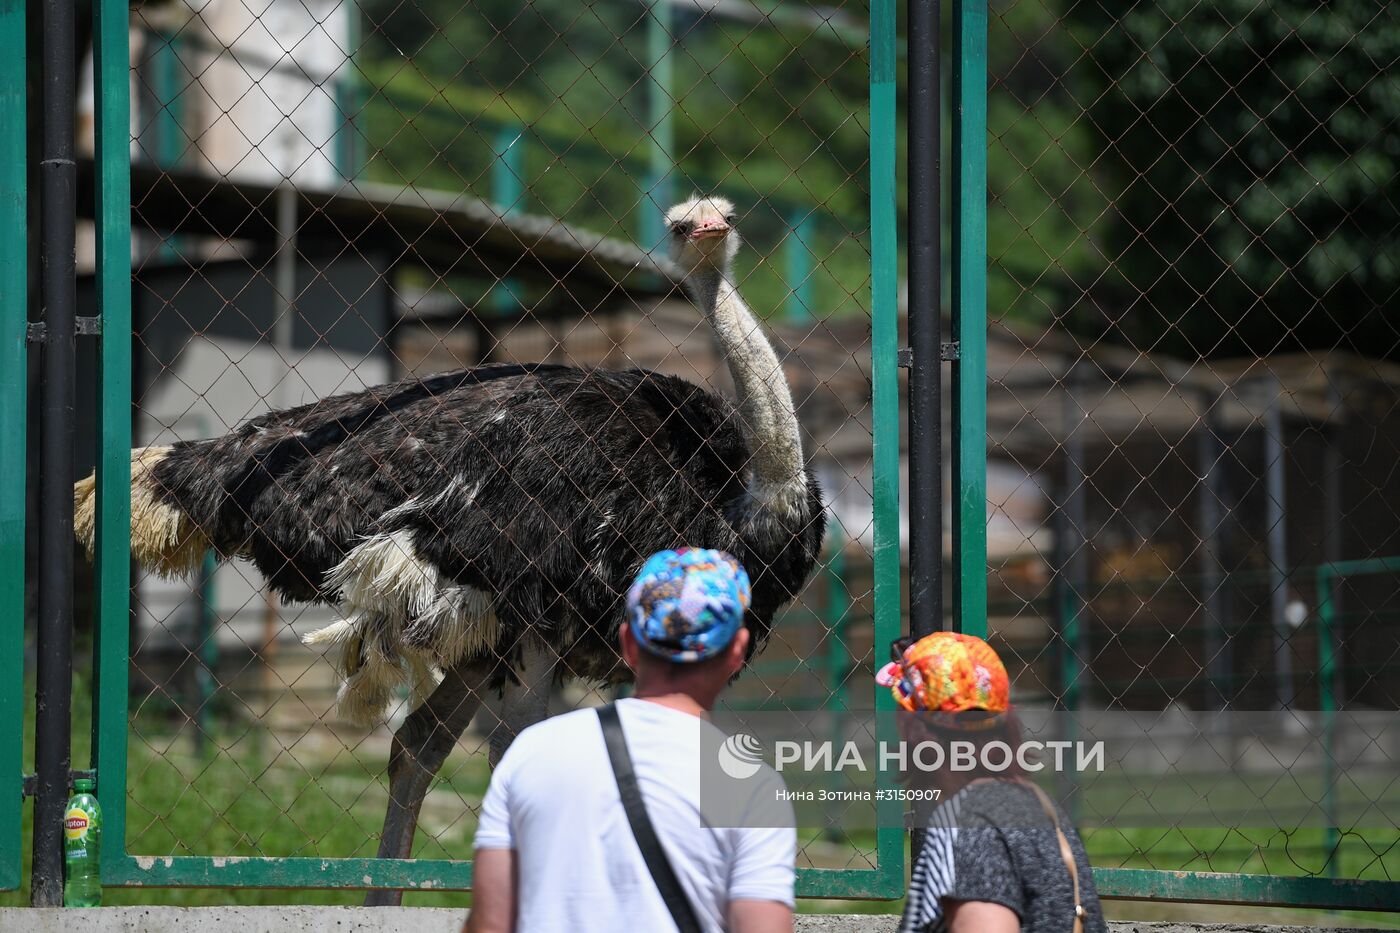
(999, 856)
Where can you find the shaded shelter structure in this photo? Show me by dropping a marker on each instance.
(1188, 512)
(442, 233)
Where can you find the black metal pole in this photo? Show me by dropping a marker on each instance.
(925, 325)
(925, 331)
(58, 283)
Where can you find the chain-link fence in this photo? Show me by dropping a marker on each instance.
(1192, 381)
(424, 369)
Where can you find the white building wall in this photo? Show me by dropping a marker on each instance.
(265, 98)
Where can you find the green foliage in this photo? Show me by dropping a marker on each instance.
(770, 113)
(1046, 211)
(1251, 156)
(1201, 179)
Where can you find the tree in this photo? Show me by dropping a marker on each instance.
(1251, 152)
(769, 110)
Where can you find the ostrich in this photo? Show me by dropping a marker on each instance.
(479, 529)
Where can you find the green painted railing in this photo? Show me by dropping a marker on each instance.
(513, 147)
(1328, 612)
(884, 337)
(969, 254)
(111, 58)
(1204, 887)
(349, 100)
(13, 337)
(660, 122)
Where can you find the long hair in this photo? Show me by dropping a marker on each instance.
(976, 727)
(982, 729)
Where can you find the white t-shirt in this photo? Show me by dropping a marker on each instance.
(553, 799)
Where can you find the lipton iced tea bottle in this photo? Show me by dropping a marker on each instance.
(82, 844)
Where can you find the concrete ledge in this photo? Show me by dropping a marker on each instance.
(425, 920)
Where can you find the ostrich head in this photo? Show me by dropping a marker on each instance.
(702, 235)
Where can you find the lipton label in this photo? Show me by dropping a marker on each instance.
(75, 823)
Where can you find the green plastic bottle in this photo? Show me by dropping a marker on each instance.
(82, 847)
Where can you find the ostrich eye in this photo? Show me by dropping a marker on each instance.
(681, 227)
(730, 218)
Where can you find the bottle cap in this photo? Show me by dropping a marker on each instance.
(84, 785)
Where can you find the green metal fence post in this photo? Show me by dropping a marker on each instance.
(207, 645)
(111, 73)
(797, 264)
(1327, 704)
(165, 79)
(347, 99)
(508, 193)
(1328, 597)
(838, 606)
(969, 255)
(508, 171)
(884, 284)
(1071, 565)
(14, 289)
(837, 659)
(884, 287)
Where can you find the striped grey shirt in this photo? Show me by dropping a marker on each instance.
(992, 842)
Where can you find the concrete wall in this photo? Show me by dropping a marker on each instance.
(418, 920)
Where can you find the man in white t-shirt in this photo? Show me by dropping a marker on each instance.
(554, 848)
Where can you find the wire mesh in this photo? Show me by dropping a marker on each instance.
(1192, 377)
(1191, 381)
(333, 197)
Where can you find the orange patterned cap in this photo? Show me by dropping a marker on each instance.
(946, 672)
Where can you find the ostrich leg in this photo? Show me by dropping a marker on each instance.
(525, 703)
(420, 747)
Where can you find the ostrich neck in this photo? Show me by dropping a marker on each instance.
(764, 399)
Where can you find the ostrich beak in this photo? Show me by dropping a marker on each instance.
(709, 230)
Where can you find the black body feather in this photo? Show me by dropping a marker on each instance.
(545, 487)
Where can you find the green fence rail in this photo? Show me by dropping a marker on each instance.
(14, 316)
(969, 294)
(111, 645)
(1328, 614)
(519, 156)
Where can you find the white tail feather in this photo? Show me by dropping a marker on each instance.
(334, 633)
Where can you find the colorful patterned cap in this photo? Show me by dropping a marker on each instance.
(946, 672)
(687, 604)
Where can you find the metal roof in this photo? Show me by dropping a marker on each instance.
(443, 232)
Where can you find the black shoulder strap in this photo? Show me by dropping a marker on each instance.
(661, 872)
